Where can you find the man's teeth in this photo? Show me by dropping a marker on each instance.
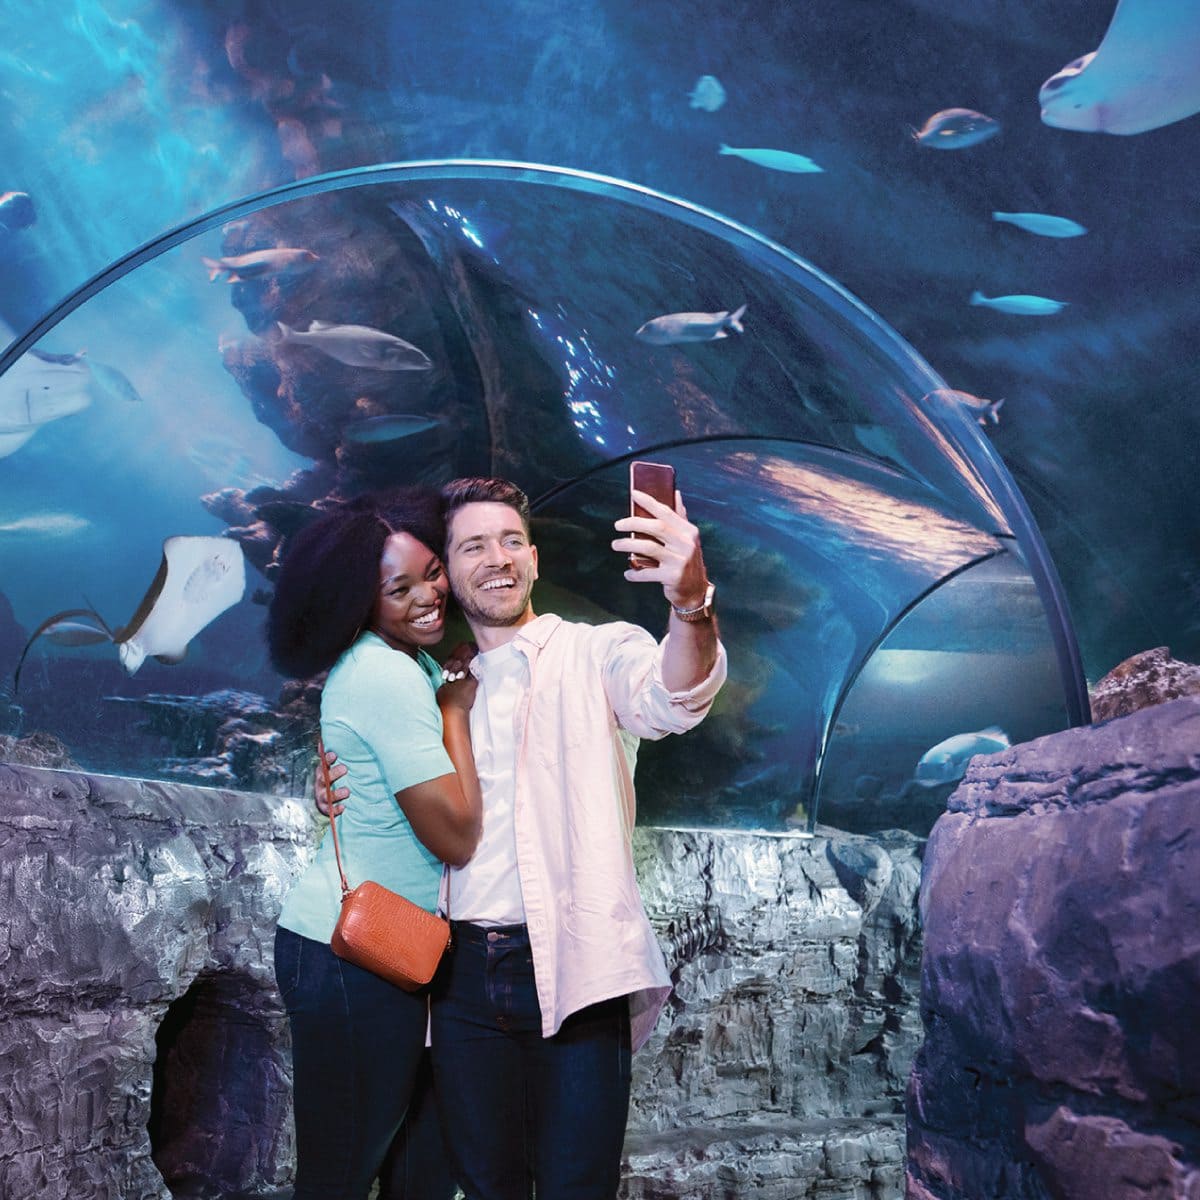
(493, 584)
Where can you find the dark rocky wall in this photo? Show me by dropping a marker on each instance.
(1060, 985)
(141, 1035)
(123, 901)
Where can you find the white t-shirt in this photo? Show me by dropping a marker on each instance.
(487, 891)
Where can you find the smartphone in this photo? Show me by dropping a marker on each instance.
(657, 480)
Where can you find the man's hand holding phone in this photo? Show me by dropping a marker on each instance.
(673, 558)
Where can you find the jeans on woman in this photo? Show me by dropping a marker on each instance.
(520, 1110)
(357, 1048)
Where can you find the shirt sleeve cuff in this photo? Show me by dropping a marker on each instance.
(699, 697)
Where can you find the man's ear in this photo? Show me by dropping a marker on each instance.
(533, 553)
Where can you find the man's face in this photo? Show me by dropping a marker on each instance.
(491, 562)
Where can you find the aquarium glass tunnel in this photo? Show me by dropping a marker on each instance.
(881, 584)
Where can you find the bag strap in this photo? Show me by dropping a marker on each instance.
(323, 767)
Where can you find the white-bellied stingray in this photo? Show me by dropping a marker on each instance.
(1145, 73)
(37, 389)
(197, 580)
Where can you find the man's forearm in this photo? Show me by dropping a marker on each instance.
(690, 653)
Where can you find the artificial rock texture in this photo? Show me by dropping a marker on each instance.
(778, 1070)
(141, 1035)
(131, 907)
(1141, 681)
(1060, 985)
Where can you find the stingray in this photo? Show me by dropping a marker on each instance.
(1144, 74)
(197, 580)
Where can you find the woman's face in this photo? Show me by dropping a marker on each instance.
(410, 605)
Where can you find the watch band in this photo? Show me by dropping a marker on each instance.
(703, 611)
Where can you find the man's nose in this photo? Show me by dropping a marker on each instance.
(498, 554)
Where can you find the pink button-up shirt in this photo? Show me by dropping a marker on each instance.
(590, 688)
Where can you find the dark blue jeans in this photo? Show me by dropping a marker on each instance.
(358, 1047)
(519, 1110)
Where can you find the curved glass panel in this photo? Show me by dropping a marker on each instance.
(232, 380)
(972, 656)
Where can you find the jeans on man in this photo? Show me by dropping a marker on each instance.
(520, 1110)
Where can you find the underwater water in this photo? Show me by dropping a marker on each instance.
(888, 556)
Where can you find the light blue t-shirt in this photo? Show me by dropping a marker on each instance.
(379, 713)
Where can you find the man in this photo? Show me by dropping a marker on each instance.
(556, 976)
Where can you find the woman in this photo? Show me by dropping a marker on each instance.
(362, 594)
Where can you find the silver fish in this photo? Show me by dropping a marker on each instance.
(1042, 224)
(671, 328)
(1144, 74)
(1025, 306)
(774, 160)
(259, 264)
(982, 410)
(47, 525)
(115, 383)
(390, 427)
(956, 128)
(358, 346)
(947, 761)
(708, 94)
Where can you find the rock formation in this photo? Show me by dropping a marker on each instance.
(142, 1036)
(1151, 677)
(1060, 986)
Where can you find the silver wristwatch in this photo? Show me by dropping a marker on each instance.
(703, 612)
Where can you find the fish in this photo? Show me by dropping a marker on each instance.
(708, 94)
(1144, 74)
(358, 346)
(260, 264)
(37, 389)
(114, 383)
(47, 525)
(1025, 306)
(956, 128)
(775, 160)
(984, 411)
(390, 427)
(1042, 224)
(16, 210)
(671, 328)
(197, 580)
(947, 761)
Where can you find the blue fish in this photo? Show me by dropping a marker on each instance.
(1024, 306)
(390, 427)
(1042, 224)
(708, 94)
(16, 210)
(775, 160)
(947, 761)
(956, 128)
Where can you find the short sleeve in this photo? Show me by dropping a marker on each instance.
(386, 700)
